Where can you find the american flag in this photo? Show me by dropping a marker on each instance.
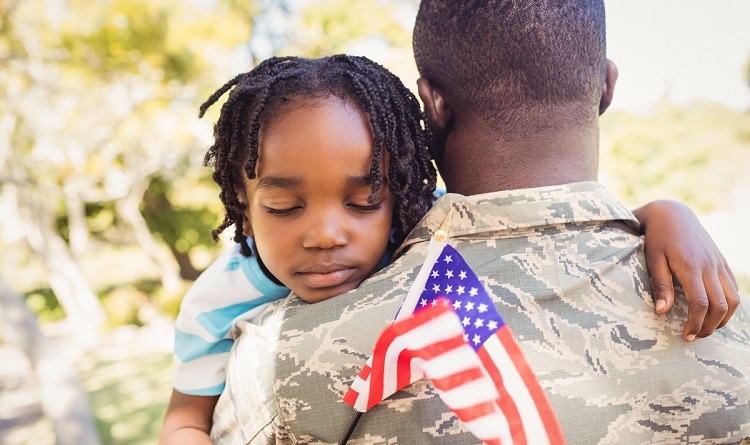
(445, 286)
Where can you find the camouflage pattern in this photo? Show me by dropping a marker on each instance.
(566, 269)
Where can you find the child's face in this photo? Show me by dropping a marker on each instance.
(308, 209)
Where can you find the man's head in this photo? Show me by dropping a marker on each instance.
(515, 63)
(513, 89)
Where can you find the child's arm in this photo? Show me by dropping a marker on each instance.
(188, 420)
(677, 244)
(233, 287)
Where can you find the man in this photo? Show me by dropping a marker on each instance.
(513, 90)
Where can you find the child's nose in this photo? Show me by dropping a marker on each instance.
(326, 230)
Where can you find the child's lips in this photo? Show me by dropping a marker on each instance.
(328, 276)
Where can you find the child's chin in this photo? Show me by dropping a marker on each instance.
(318, 295)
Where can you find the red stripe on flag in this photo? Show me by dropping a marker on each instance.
(365, 372)
(457, 379)
(381, 348)
(504, 401)
(551, 425)
(439, 348)
(403, 369)
(350, 398)
(475, 411)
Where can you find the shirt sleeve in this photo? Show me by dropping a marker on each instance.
(232, 288)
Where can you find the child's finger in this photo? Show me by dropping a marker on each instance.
(729, 272)
(717, 305)
(662, 289)
(698, 304)
(731, 292)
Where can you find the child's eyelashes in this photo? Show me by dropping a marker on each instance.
(366, 208)
(282, 212)
(295, 209)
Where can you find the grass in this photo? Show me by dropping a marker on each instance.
(129, 384)
(128, 377)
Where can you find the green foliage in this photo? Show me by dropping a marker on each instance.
(183, 226)
(44, 304)
(122, 304)
(695, 154)
(138, 36)
(335, 26)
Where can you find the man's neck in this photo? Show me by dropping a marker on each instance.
(478, 161)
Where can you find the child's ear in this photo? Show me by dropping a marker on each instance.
(247, 227)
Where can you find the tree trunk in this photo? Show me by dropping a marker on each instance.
(128, 208)
(76, 211)
(187, 270)
(159, 202)
(65, 276)
(30, 215)
(63, 398)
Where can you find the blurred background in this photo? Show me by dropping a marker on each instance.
(106, 209)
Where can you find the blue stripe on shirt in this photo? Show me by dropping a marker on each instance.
(254, 274)
(219, 321)
(210, 391)
(189, 347)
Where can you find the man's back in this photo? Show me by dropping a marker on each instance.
(568, 276)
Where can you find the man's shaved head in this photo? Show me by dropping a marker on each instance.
(515, 63)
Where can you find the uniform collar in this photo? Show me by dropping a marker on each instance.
(519, 210)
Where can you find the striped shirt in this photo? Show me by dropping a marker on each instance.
(233, 288)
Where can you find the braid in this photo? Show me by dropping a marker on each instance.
(399, 127)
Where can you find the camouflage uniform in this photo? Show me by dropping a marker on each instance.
(565, 267)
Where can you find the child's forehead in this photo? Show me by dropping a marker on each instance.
(316, 115)
(329, 128)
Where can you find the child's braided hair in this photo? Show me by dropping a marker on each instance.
(398, 126)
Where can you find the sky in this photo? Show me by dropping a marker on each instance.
(679, 49)
(682, 50)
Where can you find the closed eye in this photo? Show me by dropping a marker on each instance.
(282, 212)
(366, 208)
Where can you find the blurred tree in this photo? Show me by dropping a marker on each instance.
(31, 193)
(180, 227)
(323, 27)
(98, 98)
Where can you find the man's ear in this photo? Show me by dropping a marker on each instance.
(247, 227)
(608, 90)
(435, 107)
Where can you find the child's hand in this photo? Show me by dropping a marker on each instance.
(677, 244)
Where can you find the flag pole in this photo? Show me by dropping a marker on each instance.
(350, 429)
(441, 234)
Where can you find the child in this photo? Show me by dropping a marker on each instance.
(323, 165)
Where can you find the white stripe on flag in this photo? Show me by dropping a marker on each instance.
(416, 370)
(361, 403)
(532, 423)
(456, 360)
(415, 291)
(470, 393)
(487, 427)
(359, 385)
